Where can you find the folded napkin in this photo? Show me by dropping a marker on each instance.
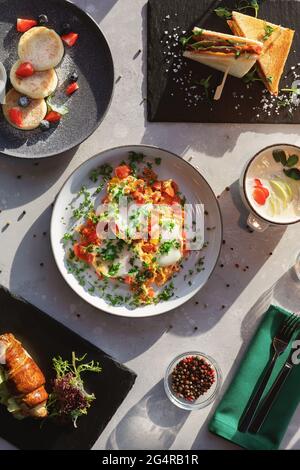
(228, 413)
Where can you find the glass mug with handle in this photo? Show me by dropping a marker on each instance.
(270, 187)
(3, 80)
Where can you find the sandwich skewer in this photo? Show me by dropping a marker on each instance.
(220, 88)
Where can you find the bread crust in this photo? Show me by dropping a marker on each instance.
(276, 49)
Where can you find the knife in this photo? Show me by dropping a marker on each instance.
(273, 393)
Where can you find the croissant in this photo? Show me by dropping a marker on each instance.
(24, 381)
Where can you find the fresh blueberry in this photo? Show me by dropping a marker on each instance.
(45, 125)
(43, 19)
(73, 77)
(24, 101)
(65, 28)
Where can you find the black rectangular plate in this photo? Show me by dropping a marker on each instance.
(170, 96)
(44, 338)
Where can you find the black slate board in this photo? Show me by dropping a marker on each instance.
(45, 338)
(90, 57)
(168, 100)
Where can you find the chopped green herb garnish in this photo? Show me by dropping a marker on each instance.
(168, 245)
(113, 269)
(104, 170)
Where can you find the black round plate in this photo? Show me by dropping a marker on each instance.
(90, 57)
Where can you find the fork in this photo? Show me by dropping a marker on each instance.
(273, 393)
(280, 343)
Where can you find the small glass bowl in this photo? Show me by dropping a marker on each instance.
(205, 399)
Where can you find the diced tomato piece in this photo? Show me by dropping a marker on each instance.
(24, 25)
(81, 253)
(72, 88)
(149, 174)
(259, 196)
(176, 200)
(157, 185)
(151, 293)
(156, 197)
(128, 280)
(122, 171)
(15, 116)
(70, 38)
(168, 189)
(266, 191)
(175, 186)
(53, 116)
(149, 248)
(258, 183)
(90, 234)
(25, 70)
(138, 197)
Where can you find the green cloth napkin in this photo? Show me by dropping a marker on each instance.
(228, 413)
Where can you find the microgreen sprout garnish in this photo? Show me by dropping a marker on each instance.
(243, 5)
(252, 76)
(249, 4)
(185, 40)
(288, 161)
(269, 30)
(223, 12)
(69, 400)
(294, 91)
(205, 83)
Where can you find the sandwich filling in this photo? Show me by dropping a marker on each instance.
(201, 42)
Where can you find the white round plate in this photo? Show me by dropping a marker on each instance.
(192, 185)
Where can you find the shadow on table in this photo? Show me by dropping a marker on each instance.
(23, 180)
(97, 9)
(295, 446)
(34, 276)
(153, 423)
(276, 294)
(243, 254)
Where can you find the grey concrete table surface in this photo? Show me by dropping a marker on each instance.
(224, 318)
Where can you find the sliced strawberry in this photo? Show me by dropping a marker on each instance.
(266, 191)
(24, 25)
(70, 38)
(53, 116)
(259, 196)
(258, 183)
(122, 171)
(71, 88)
(15, 116)
(25, 70)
